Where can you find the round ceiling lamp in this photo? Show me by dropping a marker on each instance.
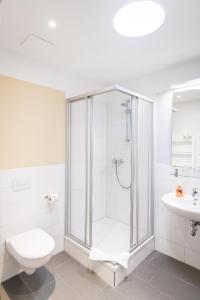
(139, 18)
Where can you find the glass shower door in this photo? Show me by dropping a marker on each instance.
(77, 141)
(145, 166)
(111, 172)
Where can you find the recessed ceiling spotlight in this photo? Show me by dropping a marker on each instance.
(139, 18)
(52, 24)
(179, 96)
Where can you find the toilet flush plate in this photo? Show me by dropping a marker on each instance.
(21, 183)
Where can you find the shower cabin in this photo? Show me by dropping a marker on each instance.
(109, 178)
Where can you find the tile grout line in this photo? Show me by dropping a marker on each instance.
(51, 281)
(149, 284)
(99, 293)
(26, 285)
(67, 284)
(60, 264)
(47, 285)
(186, 282)
(157, 298)
(119, 293)
(177, 277)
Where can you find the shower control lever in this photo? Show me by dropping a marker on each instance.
(118, 161)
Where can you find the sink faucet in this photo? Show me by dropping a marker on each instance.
(195, 194)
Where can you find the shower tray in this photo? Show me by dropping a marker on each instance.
(109, 272)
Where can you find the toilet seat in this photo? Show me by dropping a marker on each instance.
(33, 244)
(31, 249)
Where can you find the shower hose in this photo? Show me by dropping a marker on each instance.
(117, 175)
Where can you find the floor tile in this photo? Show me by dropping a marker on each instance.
(137, 289)
(145, 271)
(3, 294)
(164, 297)
(86, 283)
(61, 291)
(182, 271)
(159, 259)
(152, 256)
(41, 277)
(110, 294)
(159, 277)
(46, 291)
(174, 287)
(16, 289)
(58, 259)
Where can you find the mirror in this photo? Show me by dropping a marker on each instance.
(186, 131)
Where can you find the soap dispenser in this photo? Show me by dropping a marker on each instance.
(179, 191)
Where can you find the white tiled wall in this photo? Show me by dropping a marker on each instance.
(109, 199)
(118, 199)
(99, 156)
(172, 232)
(27, 209)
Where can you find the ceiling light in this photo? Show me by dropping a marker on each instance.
(52, 24)
(179, 96)
(192, 84)
(139, 18)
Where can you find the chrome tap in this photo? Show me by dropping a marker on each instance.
(176, 173)
(118, 161)
(195, 194)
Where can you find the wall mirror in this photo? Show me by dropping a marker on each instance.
(186, 131)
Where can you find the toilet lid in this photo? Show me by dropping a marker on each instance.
(32, 244)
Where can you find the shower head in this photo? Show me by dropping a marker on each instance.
(126, 103)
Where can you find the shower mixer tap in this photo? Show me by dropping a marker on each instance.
(118, 161)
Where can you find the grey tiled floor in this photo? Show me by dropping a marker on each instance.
(159, 277)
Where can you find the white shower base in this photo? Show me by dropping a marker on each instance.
(111, 236)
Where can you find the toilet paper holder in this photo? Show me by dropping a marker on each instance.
(51, 197)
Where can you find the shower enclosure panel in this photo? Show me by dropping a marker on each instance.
(144, 211)
(77, 175)
(109, 170)
(110, 201)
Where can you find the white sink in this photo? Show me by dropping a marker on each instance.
(184, 206)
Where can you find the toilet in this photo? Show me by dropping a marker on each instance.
(31, 249)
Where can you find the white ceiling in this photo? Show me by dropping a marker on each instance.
(86, 43)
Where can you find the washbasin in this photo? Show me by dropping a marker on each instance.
(184, 206)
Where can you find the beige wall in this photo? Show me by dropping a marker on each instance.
(32, 124)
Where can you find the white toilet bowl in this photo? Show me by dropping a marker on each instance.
(31, 249)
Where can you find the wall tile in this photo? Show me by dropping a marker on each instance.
(164, 216)
(192, 258)
(169, 248)
(168, 233)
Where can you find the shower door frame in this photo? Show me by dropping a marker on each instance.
(134, 199)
